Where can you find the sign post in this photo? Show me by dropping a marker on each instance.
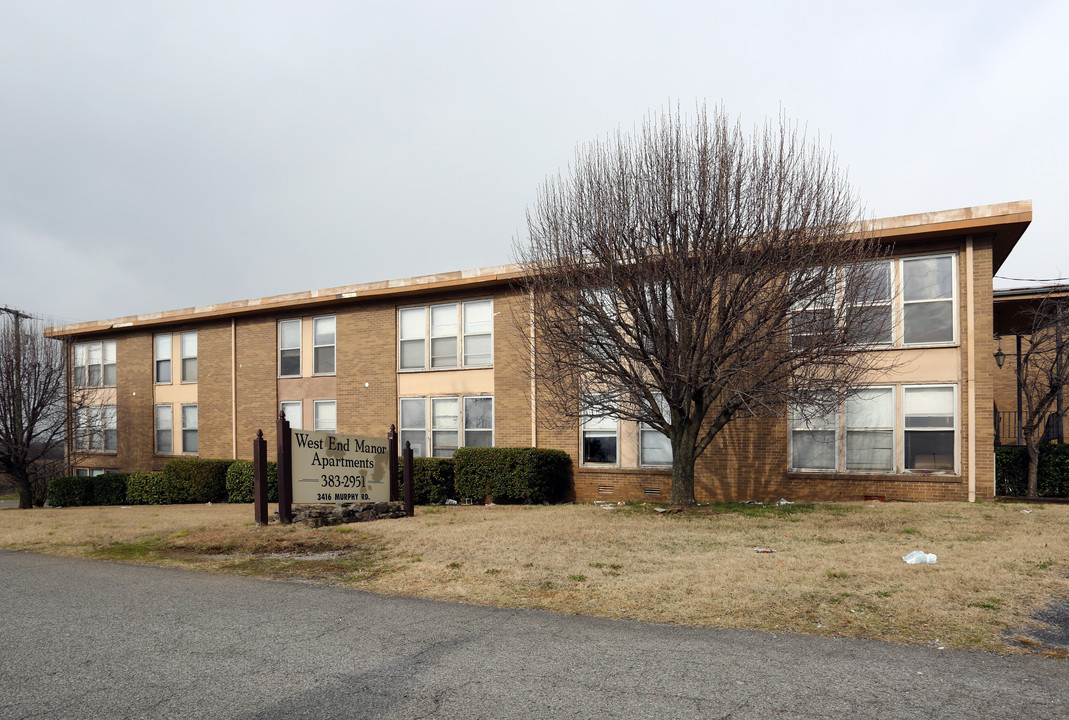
(259, 478)
(285, 478)
(394, 490)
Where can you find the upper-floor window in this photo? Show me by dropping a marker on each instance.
(323, 345)
(289, 348)
(870, 286)
(94, 364)
(189, 357)
(162, 354)
(460, 334)
(928, 300)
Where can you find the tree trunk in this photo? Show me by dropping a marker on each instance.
(25, 493)
(1033, 464)
(683, 457)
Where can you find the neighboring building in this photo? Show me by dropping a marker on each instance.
(442, 357)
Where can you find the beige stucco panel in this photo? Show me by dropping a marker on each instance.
(915, 366)
(175, 393)
(446, 382)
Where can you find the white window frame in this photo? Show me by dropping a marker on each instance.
(83, 352)
(599, 426)
(889, 303)
(464, 420)
(893, 428)
(955, 430)
(644, 429)
(189, 357)
(333, 345)
(457, 430)
(430, 334)
(187, 429)
(421, 450)
(435, 363)
(168, 412)
(317, 424)
(289, 348)
(296, 417)
(798, 423)
(162, 359)
(953, 299)
(489, 333)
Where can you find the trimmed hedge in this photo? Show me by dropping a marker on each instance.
(69, 492)
(106, 489)
(145, 488)
(525, 475)
(193, 480)
(432, 479)
(239, 482)
(1011, 471)
(109, 488)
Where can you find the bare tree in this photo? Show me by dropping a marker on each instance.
(33, 406)
(688, 275)
(1043, 370)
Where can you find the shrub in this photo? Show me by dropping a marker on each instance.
(432, 479)
(193, 480)
(109, 488)
(239, 482)
(528, 475)
(145, 488)
(1011, 471)
(69, 492)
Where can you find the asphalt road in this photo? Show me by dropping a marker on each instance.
(83, 639)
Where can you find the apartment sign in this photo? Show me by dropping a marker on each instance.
(332, 468)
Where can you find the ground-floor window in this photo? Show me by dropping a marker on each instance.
(879, 429)
(90, 472)
(600, 438)
(293, 410)
(164, 434)
(190, 431)
(325, 414)
(453, 422)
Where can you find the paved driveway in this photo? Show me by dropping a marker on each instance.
(85, 639)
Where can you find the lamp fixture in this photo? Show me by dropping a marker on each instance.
(1000, 357)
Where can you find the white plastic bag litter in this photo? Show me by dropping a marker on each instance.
(919, 557)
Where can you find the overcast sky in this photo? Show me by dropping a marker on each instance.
(159, 155)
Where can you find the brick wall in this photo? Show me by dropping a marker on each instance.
(367, 354)
(215, 391)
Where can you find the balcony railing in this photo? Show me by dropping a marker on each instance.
(1006, 429)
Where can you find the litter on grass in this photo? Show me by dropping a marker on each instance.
(764, 550)
(784, 501)
(919, 557)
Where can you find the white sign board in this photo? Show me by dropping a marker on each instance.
(331, 468)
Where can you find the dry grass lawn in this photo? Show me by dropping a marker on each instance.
(837, 569)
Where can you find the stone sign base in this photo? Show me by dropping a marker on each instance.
(319, 515)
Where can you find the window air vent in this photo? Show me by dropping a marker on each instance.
(606, 489)
(654, 491)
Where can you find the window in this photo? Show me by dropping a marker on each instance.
(813, 445)
(654, 446)
(325, 414)
(873, 318)
(293, 411)
(444, 336)
(189, 357)
(96, 429)
(413, 335)
(323, 350)
(478, 422)
(414, 424)
(89, 472)
(445, 426)
(599, 438)
(928, 300)
(289, 348)
(94, 364)
(870, 430)
(929, 427)
(190, 439)
(461, 335)
(162, 353)
(164, 435)
(813, 314)
(478, 322)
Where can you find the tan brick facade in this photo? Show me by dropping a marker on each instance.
(238, 390)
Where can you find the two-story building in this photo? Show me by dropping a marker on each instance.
(444, 358)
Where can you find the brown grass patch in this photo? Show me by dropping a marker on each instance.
(837, 569)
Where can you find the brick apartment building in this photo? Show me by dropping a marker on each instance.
(442, 357)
